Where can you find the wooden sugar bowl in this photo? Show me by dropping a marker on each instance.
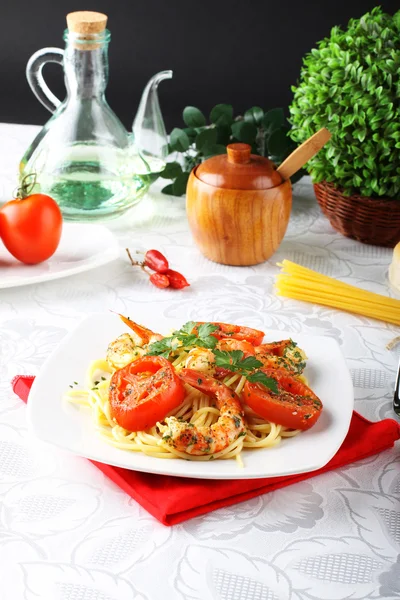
(238, 204)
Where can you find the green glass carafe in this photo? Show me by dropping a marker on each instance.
(84, 157)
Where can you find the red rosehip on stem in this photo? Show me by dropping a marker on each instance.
(176, 280)
(156, 261)
(164, 276)
(159, 280)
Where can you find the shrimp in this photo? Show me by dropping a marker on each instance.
(229, 344)
(282, 355)
(141, 335)
(186, 437)
(122, 351)
(130, 346)
(202, 360)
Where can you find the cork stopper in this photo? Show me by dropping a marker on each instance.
(86, 22)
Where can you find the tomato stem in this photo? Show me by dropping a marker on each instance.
(26, 187)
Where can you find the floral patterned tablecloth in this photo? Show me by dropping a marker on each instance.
(68, 533)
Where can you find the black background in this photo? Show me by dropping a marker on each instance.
(240, 52)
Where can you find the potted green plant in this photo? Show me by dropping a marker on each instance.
(350, 84)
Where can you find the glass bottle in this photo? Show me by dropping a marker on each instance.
(84, 157)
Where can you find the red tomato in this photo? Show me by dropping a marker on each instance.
(144, 392)
(237, 332)
(31, 228)
(295, 405)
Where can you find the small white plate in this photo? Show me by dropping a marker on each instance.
(81, 247)
(65, 425)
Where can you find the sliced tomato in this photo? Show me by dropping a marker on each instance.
(144, 392)
(236, 332)
(294, 406)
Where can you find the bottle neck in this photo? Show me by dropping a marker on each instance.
(86, 64)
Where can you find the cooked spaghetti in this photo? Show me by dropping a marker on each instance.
(197, 411)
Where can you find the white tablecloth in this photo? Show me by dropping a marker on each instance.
(68, 533)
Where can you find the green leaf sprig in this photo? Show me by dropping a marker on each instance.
(266, 132)
(350, 84)
(187, 336)
(235, 361)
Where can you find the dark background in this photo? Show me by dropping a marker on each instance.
(240, 52)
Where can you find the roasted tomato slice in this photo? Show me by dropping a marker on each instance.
(294, 406)
(236, 332)
(144, 392)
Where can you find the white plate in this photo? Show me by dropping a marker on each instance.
(56, 421)
(81, 247)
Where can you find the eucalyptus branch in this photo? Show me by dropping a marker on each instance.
(265, 132)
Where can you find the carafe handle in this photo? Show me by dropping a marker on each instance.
(35, 77)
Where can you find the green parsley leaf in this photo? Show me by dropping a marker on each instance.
(234, 360)
(260, 377)
(163, 347)
(186, 328)
(187, 338)
(207, 342)
(250, 363)
(205, 329)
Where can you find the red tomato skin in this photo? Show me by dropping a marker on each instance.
(138, 413)
(282, 408)
(31, 228)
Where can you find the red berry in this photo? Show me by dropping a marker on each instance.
(159, 280)
(156, 261)
(176, 280)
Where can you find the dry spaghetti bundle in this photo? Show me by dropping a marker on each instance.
(304, 284)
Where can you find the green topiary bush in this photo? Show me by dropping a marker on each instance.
(350, 84)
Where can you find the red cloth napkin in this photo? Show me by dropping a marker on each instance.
(174, 499)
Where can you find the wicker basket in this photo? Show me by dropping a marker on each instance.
(369, 220)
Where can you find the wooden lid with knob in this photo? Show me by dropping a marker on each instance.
(86, 22)
(239, 170)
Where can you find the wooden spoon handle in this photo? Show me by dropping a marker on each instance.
(303, 153)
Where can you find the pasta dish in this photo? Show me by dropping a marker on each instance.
(207, 391)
